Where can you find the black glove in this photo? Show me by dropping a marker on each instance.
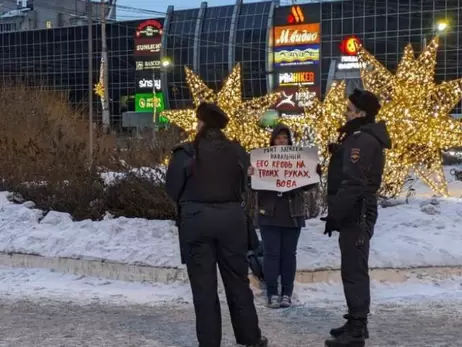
(331, 225)
(319, 169)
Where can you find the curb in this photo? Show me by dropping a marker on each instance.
(144, 273)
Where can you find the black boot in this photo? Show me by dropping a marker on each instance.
(353, 335)
(263, 342)
(339, 331)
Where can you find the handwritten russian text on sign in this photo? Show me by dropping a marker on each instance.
(283, 168)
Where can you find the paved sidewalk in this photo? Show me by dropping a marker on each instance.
(51, 323)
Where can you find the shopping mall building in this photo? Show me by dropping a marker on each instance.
(279, 47)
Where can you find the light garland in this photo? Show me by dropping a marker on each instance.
(243, 115)
(323, 119)
(416, 111)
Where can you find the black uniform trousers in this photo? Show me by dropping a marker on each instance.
(217, 234)
(354, 243)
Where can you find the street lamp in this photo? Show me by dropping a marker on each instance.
(442, 26)
(166, 62)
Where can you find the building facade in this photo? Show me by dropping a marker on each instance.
(211, 40)
(20, 15)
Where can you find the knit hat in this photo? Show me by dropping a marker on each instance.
(212, 115)
(367, 102)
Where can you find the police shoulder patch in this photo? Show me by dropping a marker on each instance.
(355, 155)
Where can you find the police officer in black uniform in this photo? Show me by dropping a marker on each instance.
(354, 176)
(206, 178)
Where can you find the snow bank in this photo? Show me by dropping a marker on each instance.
(425, 232)
(37, 284)
(42, 283)
(413, 290)
(125, 240)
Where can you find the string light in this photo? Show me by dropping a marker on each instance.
(416, 111)
(323, 119)
(243, 115)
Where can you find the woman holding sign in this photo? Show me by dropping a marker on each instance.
(280, 217)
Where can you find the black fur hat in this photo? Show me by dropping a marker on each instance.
(212, 115)
(367, 102)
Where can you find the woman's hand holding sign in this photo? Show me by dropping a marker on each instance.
(251, 171)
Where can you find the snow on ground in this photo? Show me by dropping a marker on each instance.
(17, 283)
(146, 172)
(41, 283)
(425, 232)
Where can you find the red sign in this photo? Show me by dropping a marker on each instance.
(349, 46)
(149, 28)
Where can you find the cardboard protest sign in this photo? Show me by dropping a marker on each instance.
(283, 168)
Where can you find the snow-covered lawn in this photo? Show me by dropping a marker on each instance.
(41, 283)
(425, 232)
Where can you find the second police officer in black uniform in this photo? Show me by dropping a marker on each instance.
(354, 178)
(207, 178)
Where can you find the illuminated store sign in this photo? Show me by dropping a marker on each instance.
(297, 78)
(149, 28)
(149, 84)
(147, 46)
(148, 65)
(296, 35)
(349, 63)
(145, 102)
(349, 46)
(293, 99)
(296, 15)
(349, 59)
(302, 55)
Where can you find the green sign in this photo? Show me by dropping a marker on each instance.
(146, 102)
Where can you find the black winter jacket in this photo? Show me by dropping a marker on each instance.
(355, 172)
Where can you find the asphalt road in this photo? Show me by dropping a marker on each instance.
(49, 323)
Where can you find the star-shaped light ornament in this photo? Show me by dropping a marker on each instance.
(99, 89)
(243, 115)
(416, 110)
(322, 119)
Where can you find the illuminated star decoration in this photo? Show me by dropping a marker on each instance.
(243, 115)
(416, 111)
(322, 119)
(99, 87)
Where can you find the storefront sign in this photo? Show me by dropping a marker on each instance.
(303, 55)
(349, 63)
(147, 46)
(297, 78)
(292, 99)
(149, 84)
(149, 28)
(296, 35)
(283, 168)
(148, 65)
(349, 46)
(296, 15)
(145, 102)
